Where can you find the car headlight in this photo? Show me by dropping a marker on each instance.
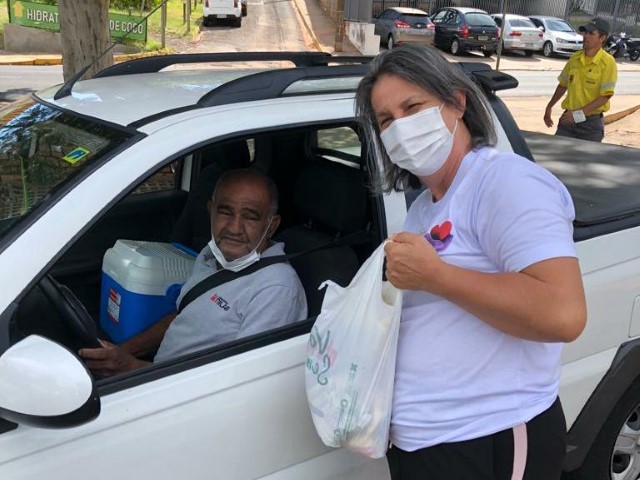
(561, 40)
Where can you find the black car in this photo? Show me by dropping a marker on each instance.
(462, 29)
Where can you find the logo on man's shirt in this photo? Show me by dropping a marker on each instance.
(219, 301)
(440, 236)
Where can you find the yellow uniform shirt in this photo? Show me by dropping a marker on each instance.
(588, 78)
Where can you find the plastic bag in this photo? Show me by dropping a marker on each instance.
(351, 358)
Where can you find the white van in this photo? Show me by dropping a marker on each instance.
(213, 10)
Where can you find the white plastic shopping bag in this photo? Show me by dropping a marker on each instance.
(351, 359)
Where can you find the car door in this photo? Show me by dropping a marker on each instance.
(440, 39)
(235, 412)
(381, 27)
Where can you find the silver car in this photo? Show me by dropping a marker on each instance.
(518, 33)
(559, 37)
(398, 25)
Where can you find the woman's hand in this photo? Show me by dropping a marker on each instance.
(412, 263)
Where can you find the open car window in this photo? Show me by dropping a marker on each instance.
(323, 196)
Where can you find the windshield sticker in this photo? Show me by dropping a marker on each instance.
(75, 155)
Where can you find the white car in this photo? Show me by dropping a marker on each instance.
(560, 38)
(216, 10)
(131, 155)
(518, 33)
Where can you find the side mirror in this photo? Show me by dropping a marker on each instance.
(542, 29)
(42, 384)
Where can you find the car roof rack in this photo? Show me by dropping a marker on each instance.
(265, 85)
(155, 64)
(490, 80)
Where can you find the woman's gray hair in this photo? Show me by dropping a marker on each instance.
(427, 68)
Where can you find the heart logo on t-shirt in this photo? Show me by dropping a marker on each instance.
(440, 236)
(442, 231)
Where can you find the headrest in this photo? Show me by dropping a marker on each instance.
(332, 194)
(227, 156)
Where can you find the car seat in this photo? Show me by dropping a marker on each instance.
(193, 229)
(331, 201)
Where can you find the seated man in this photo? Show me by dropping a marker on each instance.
(243, 219)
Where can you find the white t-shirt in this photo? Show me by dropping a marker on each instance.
(457, 378)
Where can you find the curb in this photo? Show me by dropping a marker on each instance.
(43, 61)
(316, 42)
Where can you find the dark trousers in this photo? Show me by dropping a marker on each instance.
(494, 457)
(591, 129)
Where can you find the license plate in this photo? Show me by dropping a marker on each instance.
(483, 38)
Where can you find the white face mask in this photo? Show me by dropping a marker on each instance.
(419, 143)
(239, 263)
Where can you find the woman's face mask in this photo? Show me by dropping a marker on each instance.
(419, 143)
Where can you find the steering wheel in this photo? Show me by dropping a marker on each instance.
(71, 310)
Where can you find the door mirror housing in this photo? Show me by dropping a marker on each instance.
(43, 384)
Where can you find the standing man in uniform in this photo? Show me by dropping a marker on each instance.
(589, 79)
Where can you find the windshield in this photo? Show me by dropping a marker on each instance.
(480, 20)
(559, 26)
(40, 149)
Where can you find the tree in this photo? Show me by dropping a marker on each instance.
(84, 34)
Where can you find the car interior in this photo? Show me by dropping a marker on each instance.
(329, 215)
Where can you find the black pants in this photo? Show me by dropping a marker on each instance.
(491, 457)
(591, 129)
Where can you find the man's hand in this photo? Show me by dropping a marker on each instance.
(412, 263)
(567, 118)
(548, 121)
(110, 360)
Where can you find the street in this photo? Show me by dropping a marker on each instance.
(18, 81)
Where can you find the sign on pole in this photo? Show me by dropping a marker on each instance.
(39, 15)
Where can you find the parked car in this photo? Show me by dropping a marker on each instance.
(559, 37)
(462, 29)
(216, 10)
(398, 25)
(133, 154)
(518, 33)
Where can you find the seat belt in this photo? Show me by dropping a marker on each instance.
(225, 276)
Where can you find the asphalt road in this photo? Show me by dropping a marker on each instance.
(18, 81)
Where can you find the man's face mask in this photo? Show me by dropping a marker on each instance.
(242, 262)
(419, 143)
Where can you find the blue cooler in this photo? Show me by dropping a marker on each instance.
(140, 284)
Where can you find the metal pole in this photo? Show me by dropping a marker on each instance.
(163, 24)
(614, 21)
(188, 16)
(499, 51)
(339, 26)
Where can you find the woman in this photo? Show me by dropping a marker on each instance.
(492, 281)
